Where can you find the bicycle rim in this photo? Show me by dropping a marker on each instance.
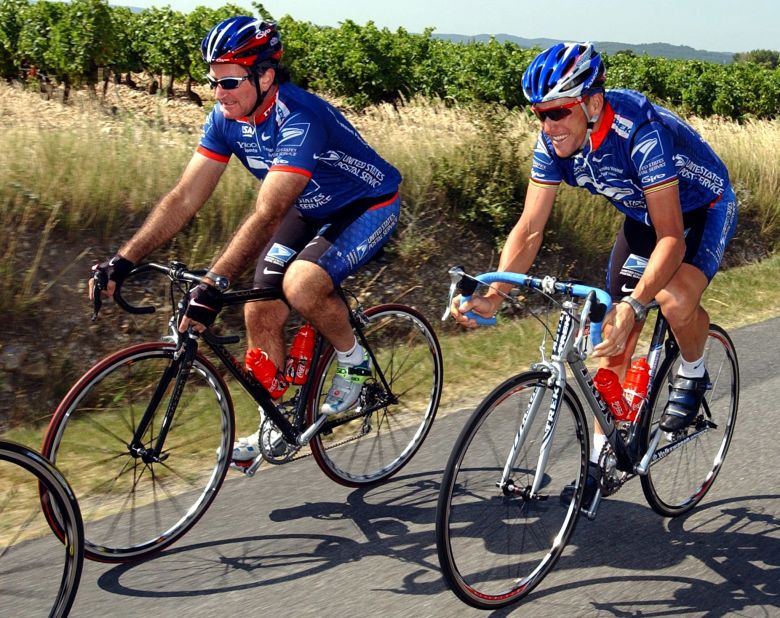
(31, 558)
(494, 547)
(370, 443)
(133, 508)
(691, 459)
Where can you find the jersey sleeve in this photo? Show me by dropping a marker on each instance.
(544, 169)
(652, 157)
(301, 137)
(212, 140)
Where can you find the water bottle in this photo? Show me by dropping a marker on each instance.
(635, 386)
(266, 372)
(611, 391)
(301, 353)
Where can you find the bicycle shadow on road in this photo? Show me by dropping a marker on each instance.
(737, 540)
(393, 521)
(734, 543)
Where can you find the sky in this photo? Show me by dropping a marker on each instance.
(712, 25)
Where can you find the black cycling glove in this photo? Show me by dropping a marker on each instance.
(205, 302)
(116, 269)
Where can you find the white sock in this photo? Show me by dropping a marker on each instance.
(691, 370)
(353, 356)
(599, 440)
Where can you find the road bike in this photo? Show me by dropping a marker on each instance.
(504, 514)
(146, 435)
(28, 484)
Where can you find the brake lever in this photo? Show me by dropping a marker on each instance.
(456, 274)
(100, 283)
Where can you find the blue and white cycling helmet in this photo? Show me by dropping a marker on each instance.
(243, 40)
(564, 70)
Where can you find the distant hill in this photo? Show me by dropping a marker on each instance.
(662, 50)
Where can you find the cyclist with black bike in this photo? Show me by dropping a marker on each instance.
(326, 205)
(680, 209)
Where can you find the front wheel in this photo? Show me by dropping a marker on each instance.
(29, 554)
(374, 440)
(135, 505)
(686, 463)
(503, 518)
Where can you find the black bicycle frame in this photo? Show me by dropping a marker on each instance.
(185, 355)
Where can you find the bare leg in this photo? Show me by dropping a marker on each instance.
(680, 302)
(264, 326)
(310, 291)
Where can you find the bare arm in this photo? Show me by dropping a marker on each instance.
(276, 196)
(666, 214)
(519, 251)
(523, 243)
(177, 208)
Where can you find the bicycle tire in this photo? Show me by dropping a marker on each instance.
(371, 447)
(494, 547)
(133, 509)
(20, 510)
(677, 482)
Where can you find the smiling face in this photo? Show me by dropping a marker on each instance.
(568, 133)
(238, 102)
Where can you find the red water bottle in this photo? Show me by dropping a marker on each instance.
(266, 372)
(611, 391)
(635, 386)
(301, 353)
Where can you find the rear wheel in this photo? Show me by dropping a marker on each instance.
(134, 506)
(496, 543)
(378, 437)
(688, 461)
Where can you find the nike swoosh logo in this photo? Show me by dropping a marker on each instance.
(195, 303)
(626, 290)
(265, 137)
(271, 272)
(311, 243)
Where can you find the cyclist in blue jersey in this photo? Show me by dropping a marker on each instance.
(326, 205)
(680, 211)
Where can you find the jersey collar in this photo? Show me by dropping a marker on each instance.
(262, 113)
(598, 136)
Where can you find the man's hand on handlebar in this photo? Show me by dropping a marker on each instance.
(205, 302)
(478, 304)
(108, 274)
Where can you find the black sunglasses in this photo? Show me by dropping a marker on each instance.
(227, 83)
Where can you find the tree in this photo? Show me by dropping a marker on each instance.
(160, 39)
(10, 25)
(765, 57)
(38, 20)
(81, 41)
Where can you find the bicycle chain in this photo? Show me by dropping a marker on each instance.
(278, 461)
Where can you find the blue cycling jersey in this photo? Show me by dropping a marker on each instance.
(639, 148)
(301, 133)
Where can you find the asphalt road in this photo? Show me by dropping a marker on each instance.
(289, 542)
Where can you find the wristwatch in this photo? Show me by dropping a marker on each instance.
(220, 282)
(640, 311)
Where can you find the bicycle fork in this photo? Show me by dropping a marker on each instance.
(179, 368)
(557, 383)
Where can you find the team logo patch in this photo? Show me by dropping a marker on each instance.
(635, 263)
(647, 150)
(279, 254)
(247, 130)
(293, 134)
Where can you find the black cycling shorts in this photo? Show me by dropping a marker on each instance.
(340, 244)
(707, 232)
